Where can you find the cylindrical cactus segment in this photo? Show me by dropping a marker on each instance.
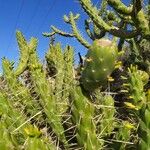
(144, 126)
(24, 53)
(99, 63)
(21, 95)
(123, 136)
(83, 117)
(47, 99)
(136, 81)
(107, 121)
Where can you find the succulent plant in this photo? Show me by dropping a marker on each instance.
(99, 64)
(47, 107)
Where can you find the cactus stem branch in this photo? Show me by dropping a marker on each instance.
(120, 7)
(100, 23)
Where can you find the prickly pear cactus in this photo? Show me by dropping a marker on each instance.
(99, 63)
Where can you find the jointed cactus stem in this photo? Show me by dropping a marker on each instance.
(83, 113)
(11, 118)
(45, 91)
(139, 103)
(99, 22)
(120, 7)
(75, 32)
(24, 53)
(61, 32)
(21, 95)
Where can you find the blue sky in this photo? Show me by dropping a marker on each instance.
(33, 17)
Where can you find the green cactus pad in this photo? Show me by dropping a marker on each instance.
(99, 63)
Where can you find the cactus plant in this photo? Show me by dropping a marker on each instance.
(99, 64)
(139, 103)
(46, 95)
(83, 114)
(135, 86)
(48, 107)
